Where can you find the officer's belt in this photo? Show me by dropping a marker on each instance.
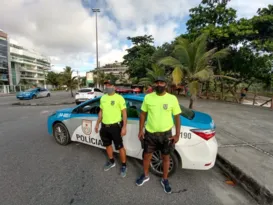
(158, 133)
(110, 125)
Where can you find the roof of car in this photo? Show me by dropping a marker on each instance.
(139, 97)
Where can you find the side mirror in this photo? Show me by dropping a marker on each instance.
(87, 108)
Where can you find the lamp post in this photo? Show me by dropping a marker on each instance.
(96, 11)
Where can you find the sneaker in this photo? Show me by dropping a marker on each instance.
(166, 186)
(123, 171)
(109, 165)
(142, 179)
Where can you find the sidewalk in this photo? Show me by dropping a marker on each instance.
(245, 137)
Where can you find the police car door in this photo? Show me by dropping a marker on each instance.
(131, 141)
(82, 123)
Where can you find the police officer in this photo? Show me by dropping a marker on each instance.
(113, 126)
(160, 107)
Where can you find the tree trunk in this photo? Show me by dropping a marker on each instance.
(71, 93)
(193, 97)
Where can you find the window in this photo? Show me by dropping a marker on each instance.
(89, 107)
(187, 113)
(85, 90)
(133, 108)
(97, 90)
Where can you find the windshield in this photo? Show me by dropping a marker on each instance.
(86, 90)
(30, 90)
(187, 113)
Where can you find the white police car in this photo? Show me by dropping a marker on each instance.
(196, 149)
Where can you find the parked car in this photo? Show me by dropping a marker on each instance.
(123, 90)
(86, 94)
(33, 93)
(196, 149)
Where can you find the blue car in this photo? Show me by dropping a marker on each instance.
(33, 93)
(196, 149)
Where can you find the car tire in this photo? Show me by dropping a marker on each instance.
(62, 140)
(48, 95)
(34, 96)
(174, 164)
(77, 103)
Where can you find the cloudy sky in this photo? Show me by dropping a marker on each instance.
(64, 30)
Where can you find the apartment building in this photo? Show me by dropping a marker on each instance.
(27, 66)
(4, 59)
(116, 69)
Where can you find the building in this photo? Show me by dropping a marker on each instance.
(4, 58)
(27, 66)
(116, 69)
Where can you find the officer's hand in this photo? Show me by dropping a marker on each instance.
(141, 135)
(97, 128)
(175, 139)
(123, 131)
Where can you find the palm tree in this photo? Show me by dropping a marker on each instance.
(68, 80)
(192, 60)
(152, 75)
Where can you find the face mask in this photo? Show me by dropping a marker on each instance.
(109, 90)
(159, 89)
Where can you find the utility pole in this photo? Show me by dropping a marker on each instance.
(96, 11)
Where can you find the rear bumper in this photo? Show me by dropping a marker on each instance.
(199, 157)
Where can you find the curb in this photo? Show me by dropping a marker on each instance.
(260, 193)
(7, 95)
(42, 104)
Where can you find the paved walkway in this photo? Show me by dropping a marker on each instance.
(245, 137)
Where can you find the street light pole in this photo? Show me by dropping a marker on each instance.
(96, 11)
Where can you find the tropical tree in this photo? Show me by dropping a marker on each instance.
(53, 78)
(139, 57)
(67, 79)
(192, 60)
(151, 75)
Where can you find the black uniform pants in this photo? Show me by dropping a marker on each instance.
(111, 133)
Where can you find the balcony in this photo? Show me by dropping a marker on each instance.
(31, 77)
(4, 77)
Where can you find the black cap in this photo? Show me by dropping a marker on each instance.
(160, 78)
(111, 82)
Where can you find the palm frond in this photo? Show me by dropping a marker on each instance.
(203, 75)
(203, 60)
(177, 75)
(170, 61)
(221, 54)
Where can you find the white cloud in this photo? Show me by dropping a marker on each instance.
(65, 30)
(246, 8)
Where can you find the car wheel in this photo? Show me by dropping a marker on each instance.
(156, 164)
(61, 134)
(77, 103)
(34, 97)
(48, 95)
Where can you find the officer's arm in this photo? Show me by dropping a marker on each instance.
(177, 125)
(124, 117)
(142, 120)
(99, 117)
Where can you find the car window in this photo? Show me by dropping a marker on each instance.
(187, 113)
(97, 90)
(133, 108)
(42, 89)
(89, 107)
(85, 90)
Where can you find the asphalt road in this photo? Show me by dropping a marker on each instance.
(36, 170)
(56, 96)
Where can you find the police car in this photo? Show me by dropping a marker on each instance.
(196, 149)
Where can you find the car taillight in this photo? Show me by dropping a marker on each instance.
(90, 93)
(205, 134)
